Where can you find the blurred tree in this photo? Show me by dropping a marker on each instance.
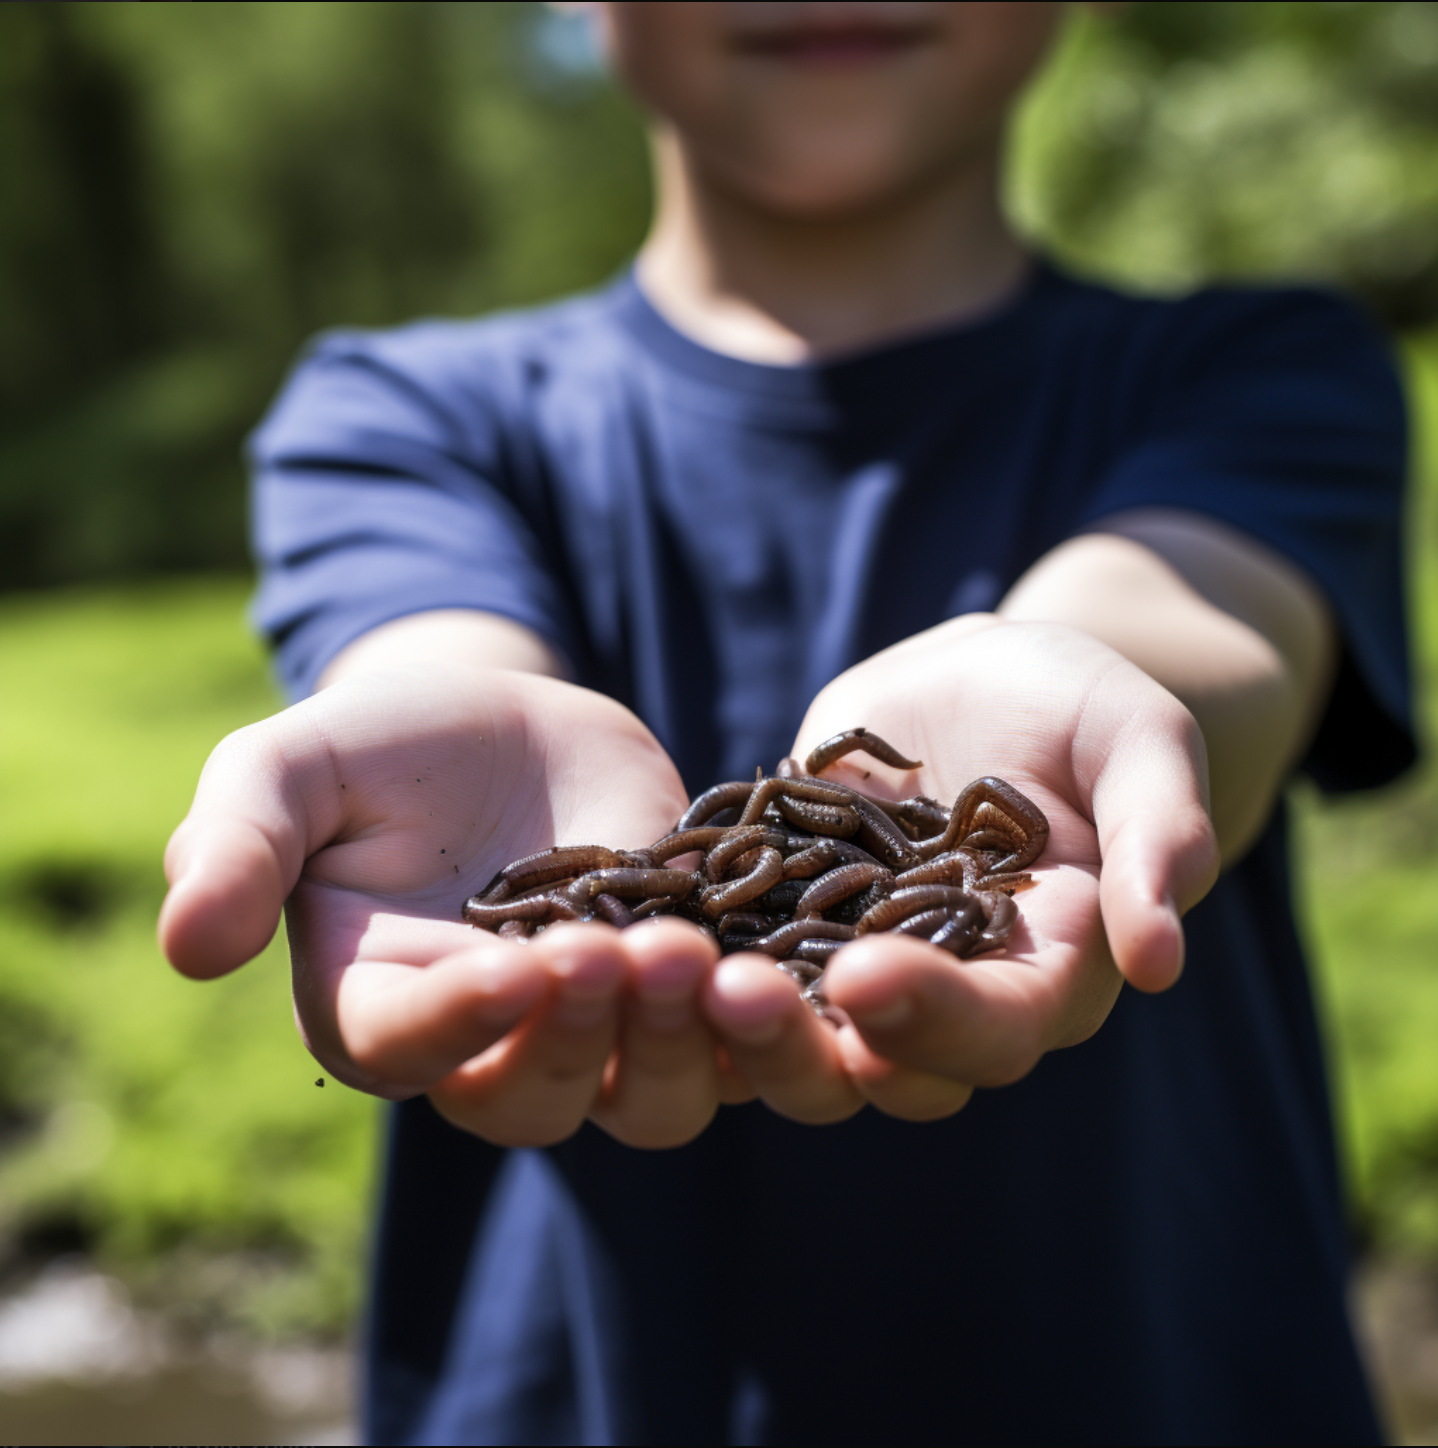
(1174, 144)
(191, 191)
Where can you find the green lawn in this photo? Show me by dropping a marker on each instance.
(143, 1111)
(175, 1129)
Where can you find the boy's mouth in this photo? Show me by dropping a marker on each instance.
(835, 44)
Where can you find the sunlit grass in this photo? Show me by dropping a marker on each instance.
(146, 1111)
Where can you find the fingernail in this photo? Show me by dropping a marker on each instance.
(755, 1020)
(884, 1018)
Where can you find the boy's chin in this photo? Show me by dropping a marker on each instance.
(858, 177)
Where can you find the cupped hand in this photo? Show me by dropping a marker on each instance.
(370, 812)
(1118, 766)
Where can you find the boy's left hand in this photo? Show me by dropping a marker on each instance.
(1118, 766)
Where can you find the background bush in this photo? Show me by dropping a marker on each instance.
(190, 192)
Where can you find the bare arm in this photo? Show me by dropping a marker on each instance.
(1235, 632)
(447, 635)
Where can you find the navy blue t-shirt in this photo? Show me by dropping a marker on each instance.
(1141, 1240)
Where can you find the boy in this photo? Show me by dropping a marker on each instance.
(838, 452)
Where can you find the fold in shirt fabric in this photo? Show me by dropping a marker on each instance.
(1141, 1240)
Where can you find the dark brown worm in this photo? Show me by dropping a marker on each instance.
(613, 909)
(924, 923)
(817, 952)
(684, 842)
(903, 903)
(825, 855)
(630, 884)
(955, 867)
(721, 796)
(718, 900)
(534, 908)
(851, 739)
(545, 866)
(739, 840)
(820, 819)
(1016, 820)
(838, 885)
(781, 941)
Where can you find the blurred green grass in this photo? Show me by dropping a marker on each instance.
(142, 1112)
(174, 1129)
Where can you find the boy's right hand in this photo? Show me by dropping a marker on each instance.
(370, 812)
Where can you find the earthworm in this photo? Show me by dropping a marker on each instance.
(1018, 822)
(721, 796)
(903, 903)
(781, 941)
(851, 739)
(825, 855)
(675, 884)
(1000, 912)
(744, 922)
(534, 908)
(836, 885)
(817, 952)
(718, 900)
(739, 840)
(956, 867)
(683, 842)
(820, 819)
(924, 923)
(613, 909)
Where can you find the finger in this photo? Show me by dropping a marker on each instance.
(899, 1090)
(979, 1023)
(397, 1029)
(663, 1089)
(536, 1086)
(228, 881)
(1149, 785)
(777, 1043)
(239, 852)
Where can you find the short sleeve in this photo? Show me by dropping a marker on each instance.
(1280, 413)
(381, 489)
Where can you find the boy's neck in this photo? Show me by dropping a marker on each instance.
(768, 287)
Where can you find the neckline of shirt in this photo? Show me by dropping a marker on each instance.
(872, 379)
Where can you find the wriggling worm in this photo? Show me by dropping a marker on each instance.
(851, 739)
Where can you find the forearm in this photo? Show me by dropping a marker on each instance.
(449, 635)
(1238, 635)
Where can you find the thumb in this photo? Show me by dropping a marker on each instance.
(1156, 841)
(235, 858)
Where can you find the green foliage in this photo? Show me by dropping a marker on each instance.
(144, 1112)
(192, 191)
(1172, 144)
(1368, 867)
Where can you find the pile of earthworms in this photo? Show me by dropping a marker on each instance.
(793, 866)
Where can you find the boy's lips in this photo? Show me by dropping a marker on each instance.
(833, 45)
